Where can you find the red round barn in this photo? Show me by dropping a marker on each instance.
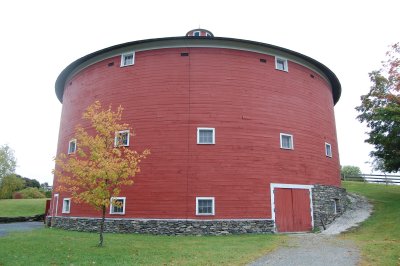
(242, 135)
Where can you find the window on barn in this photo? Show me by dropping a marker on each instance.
(117, 205)
(121, 138)
(205, 206)
(205, 135)
(66, 205)
(281, 64)
(286, 141)
(72, 146)
(127, 59)
(335, 206)
(328, 150)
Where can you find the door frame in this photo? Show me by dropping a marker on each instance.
(54, 208)
(292, 186)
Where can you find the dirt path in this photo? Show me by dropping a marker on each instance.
(323, 248)
(312, 249)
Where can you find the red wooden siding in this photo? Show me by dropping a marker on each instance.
(166, 96)
(292, 210)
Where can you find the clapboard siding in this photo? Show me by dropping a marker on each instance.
(166, 96)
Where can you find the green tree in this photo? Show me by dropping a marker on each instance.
(101, 164)
(349, 170)
(380, 110)
(10, 184)
(7, 161)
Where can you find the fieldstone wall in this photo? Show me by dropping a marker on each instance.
(164, 227)
(325, 200)
(39, 217)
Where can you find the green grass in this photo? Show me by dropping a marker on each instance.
(379, 236)
(52, 246)
(21, 207)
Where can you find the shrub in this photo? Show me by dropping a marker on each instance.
(9, 184)
(29, 193)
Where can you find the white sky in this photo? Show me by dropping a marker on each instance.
(40, 38)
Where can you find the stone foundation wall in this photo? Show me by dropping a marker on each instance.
(329, 202)
(325, 199)
(165, 227)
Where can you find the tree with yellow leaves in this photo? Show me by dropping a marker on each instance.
(101, 164)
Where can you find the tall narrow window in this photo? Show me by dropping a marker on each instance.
(127, 59)
(205, 135)
(66, 205)
(205, 206)
(286, 141)
(328, 150)
(121, 138)
(117, 205)
(72, 146)
(281, 64)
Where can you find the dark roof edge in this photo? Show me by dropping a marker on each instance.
(62, 78)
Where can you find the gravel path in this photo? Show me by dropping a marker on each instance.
(323, 248)
(25, 226)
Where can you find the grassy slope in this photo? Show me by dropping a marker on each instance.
(58, 247)
(22, 207)
(379, 236)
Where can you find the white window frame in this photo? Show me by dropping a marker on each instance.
(69, 146)
(123, 56)
(112, 207)
(116, 138)
(334, 203)
(206, 128)
(291, 141)
(285, 63)
(64, 209)
(328, 152)
(205, 198)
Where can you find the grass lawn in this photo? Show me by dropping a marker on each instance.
(58, 247)
(21, 207)
(379, 236)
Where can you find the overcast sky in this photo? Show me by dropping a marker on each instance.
(40, 38)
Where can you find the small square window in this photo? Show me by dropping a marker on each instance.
(72, 146)
(205, 206)
(117, 205)
(286, 141)
(205, 135)
(281, 64)
(121, 138)
(328, 150)
(196, 33)
(66, 205)
(127, 59)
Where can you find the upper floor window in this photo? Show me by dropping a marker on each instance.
(117, 205)
(328, 150)
(205, 135)
(205, 206)
(197, 33)
(121, 138)
(66, 205)
(281, 64)
(127, 59)
(72, 146)
(286, 141)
